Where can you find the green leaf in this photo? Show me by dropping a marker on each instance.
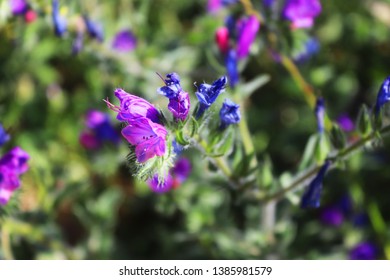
(308, 158)
(364, 121)
(247, 89)
(337, 137)
(180, 138)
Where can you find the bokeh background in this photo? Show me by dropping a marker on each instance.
(80, 203)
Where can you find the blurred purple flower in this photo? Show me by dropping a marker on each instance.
(124, 41)
(346, 123)
(360, 219)
(332, 216)
(302, 12)
(95, 29)
(4, 137)
(229, 113)
(214, 6)
(147, 137)
(12, 165)
(383, 95)
(312, 195)
(364, 251)
(177, 175)
(99, 130)
(207, 94)
(268, 3)
(18, 7)
(78, 43)
(133, 107)
(247, 34)
(179, 100)
(320, 114)
(60, 25)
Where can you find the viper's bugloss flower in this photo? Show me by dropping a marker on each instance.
(133, 107)
(222, 39)
(312, 195)
(177, 175)
(346, 123)
(12, 165)
(332, 216)
(4, 137)
(383, 95)
(246, 35)
(364, 251)
(302, 12)
(99, 130)
(320, 114)
(60, 25)
(18, 7)
(229, 113)
(94, 29)
(179, 100)
(124, 41)
(149, 138)
(207, 94)
(232, 67)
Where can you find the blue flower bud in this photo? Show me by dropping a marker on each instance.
(59, 22)
(383, 95)
(232, 67)
(207, 94)
(4, 137)
(312, 195)
(95, 29)
(229, 114)
(320, 113)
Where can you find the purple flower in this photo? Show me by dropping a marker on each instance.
(147, 137)
(124, 41)
(312, 195)
(346, 123)
(4, 137)
(232, 67)
(99, 130)
(18, 7)
(247, 34)
(214, 6)
(320, 113)
(383, 95)
(179, 100)
(177, 175)
(95, 29)
(133, 107)
(364, 251)
(332, 216)
(229, 114)
(268, 3)
(302, 12)
(12, 165)
(60, 24)
(207, 94)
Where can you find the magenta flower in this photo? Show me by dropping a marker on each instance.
(247, 34)
(18, 7)
(302, 12)
(149, 138)
(12, 165)
(177, 175)
(133, 107)
(222, 39)
(124, 41)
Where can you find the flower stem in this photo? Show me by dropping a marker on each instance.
(343, 154)
(249, 10)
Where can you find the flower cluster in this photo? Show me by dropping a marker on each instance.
(153, 138)
(12, 165)
(22, 8)
(98, 130)
(234, 41)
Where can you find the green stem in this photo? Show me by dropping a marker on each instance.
(314, 170)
